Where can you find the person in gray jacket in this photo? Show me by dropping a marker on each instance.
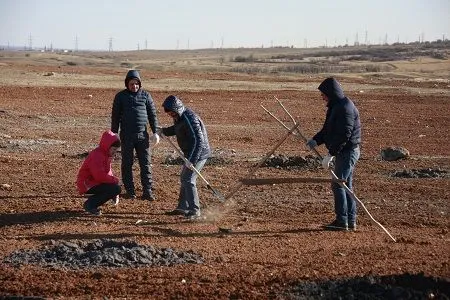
(193, 141)
(132, 109)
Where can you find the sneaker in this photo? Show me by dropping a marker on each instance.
(148, 197)
(129, 196)
(192, 215)
(352, 226)
(175, 212)
(336, 226)
(92, 211)
(115, 200)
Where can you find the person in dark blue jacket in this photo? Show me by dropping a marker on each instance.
(132, 109)
(192, 139)
(341, 134)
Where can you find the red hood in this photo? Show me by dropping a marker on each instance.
(108, 138)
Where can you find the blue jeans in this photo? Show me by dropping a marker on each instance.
(140, 143)
(101, 194)
(344, 205)
(188, 199)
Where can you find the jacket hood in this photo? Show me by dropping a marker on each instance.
(108, 138)
(173, 103)
(332, 88)
(132, 74)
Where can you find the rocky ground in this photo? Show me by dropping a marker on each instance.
(264, 242)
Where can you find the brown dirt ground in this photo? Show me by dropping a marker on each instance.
(276, 238)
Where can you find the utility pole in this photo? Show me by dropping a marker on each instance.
(221, 44)
(30, 42)
(110, 44)
(76, 43)
(146, 44)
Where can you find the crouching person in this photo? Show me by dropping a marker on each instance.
(95, 177)
(193, 140)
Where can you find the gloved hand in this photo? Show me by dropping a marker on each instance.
(327, 160)
(155, 138)
(311, 144)
(189, 165)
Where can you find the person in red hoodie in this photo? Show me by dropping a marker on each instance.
(96, 178)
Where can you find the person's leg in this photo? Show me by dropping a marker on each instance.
(343, 170)
(100, 194)
(351, 203)
(182, 203)
(127, 152)
(144, 156)
(189, 182)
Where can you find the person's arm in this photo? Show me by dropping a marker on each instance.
(116, 114)
(151, 113)
(342, 129)
(100, 171)
(195, 136)
(168, 131)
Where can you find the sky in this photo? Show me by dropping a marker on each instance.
(195, 24)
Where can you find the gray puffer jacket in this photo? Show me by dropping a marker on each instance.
(189, 129)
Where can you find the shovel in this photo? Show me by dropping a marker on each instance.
(187, 162)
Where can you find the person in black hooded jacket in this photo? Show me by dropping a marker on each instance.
(192, 138)
(132, 109)
(341, 134)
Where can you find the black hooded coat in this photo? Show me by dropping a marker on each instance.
(342, 126)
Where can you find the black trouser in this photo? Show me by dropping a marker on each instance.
(101, 194)
(140, 143)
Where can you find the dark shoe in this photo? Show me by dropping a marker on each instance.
(92, 211)
(175, 212)
(129, 196)
(336, 226)
(352, 226)
(148, 197)
(192, 215)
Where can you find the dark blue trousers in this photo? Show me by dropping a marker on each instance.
(138, 142)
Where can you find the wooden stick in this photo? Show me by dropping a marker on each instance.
(254, 169)
(265, 181)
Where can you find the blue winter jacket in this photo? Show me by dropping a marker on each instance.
(131, 111)
(189, 129)
(342, 126)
